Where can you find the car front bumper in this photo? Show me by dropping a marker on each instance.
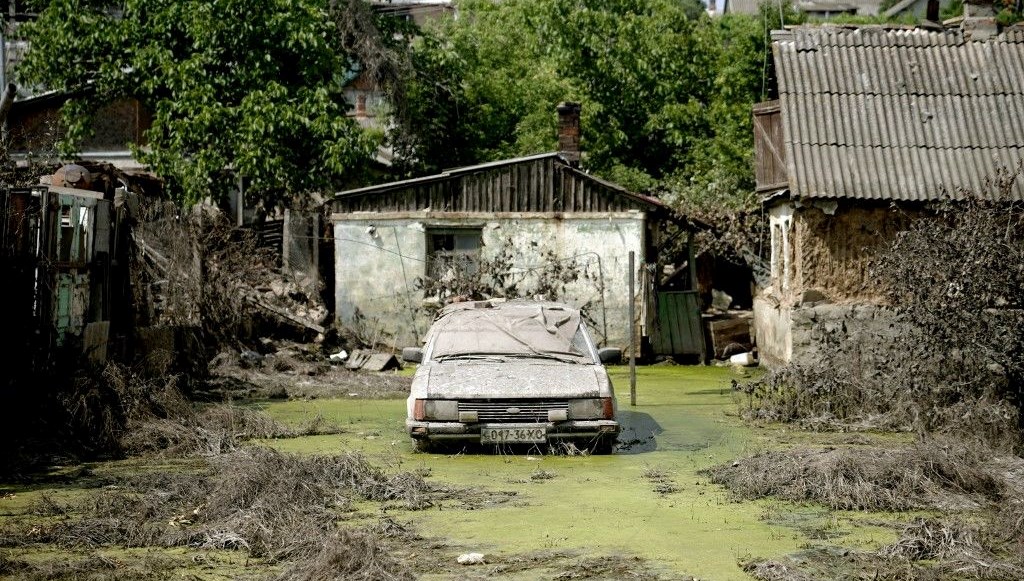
(571, 429)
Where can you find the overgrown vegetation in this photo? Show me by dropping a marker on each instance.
(665, 90)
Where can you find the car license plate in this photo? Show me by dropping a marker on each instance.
(512, 434)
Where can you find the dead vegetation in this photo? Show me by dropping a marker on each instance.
(273, 506)
(927, 550)
(122, 411)
(980, 536)
(92, 566)
(924, 475)
(196, 269)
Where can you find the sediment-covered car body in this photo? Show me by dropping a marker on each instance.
(517, 372)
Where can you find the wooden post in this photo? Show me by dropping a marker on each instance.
(632, 328)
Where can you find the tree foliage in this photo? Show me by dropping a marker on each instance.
(243, 85)
(481, 88)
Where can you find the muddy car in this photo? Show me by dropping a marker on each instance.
(517, 372)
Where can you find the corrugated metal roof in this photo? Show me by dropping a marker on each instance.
(898, 113)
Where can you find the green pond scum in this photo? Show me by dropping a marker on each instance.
(647, 500)
(537, 514)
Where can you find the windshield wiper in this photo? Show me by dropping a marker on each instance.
(539, 355)
(471, 357)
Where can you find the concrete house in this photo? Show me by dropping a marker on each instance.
(541, 214)
(870, 126)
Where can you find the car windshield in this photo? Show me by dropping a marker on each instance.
(534, 332)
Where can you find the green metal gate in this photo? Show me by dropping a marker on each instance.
(677, 328)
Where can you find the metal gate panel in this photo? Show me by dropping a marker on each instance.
(678, 328)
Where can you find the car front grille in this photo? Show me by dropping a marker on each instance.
(513, 410)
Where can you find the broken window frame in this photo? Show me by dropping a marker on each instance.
(458, 257)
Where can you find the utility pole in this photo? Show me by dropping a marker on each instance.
(632, 328)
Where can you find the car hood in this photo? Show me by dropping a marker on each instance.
(479, 380)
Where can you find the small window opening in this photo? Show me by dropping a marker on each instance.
(453, 252)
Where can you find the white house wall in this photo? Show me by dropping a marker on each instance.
(378, 259)
(772, 305)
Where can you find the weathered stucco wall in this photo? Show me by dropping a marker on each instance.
(379, 258)
(376, 266)
(835, 250)
(822, 289)
(772, 331)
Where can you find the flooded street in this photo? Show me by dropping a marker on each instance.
(647, 500)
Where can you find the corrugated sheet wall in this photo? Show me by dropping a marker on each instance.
(543, 185)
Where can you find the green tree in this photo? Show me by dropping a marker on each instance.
(251, 86)
(647, 69)
(666, 91)
(482, 88)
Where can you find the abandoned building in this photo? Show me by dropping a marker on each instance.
(65, 255)
(535, 217)
(871, 125)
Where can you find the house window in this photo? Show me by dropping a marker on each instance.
(452, 252)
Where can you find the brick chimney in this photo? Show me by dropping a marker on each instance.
(569, 132)
(979, 21)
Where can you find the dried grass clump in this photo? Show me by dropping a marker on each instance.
(863, 479)
(213, 430)
(1010, 523)
(272, 505)
(774, 571)
(93, 566)
(97, 405)
(959, 550)
(934, 539)
(349, 556)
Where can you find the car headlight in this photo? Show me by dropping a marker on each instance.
(591, 409)
(436, 409)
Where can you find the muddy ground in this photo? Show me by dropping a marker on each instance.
(349, 499)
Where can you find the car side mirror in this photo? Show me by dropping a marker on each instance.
(610, 355)
(412, 354)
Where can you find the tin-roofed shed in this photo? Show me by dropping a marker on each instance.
(550, 226)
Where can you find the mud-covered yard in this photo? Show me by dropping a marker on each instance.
(326, 485)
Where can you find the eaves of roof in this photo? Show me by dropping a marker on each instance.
(444, 175)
